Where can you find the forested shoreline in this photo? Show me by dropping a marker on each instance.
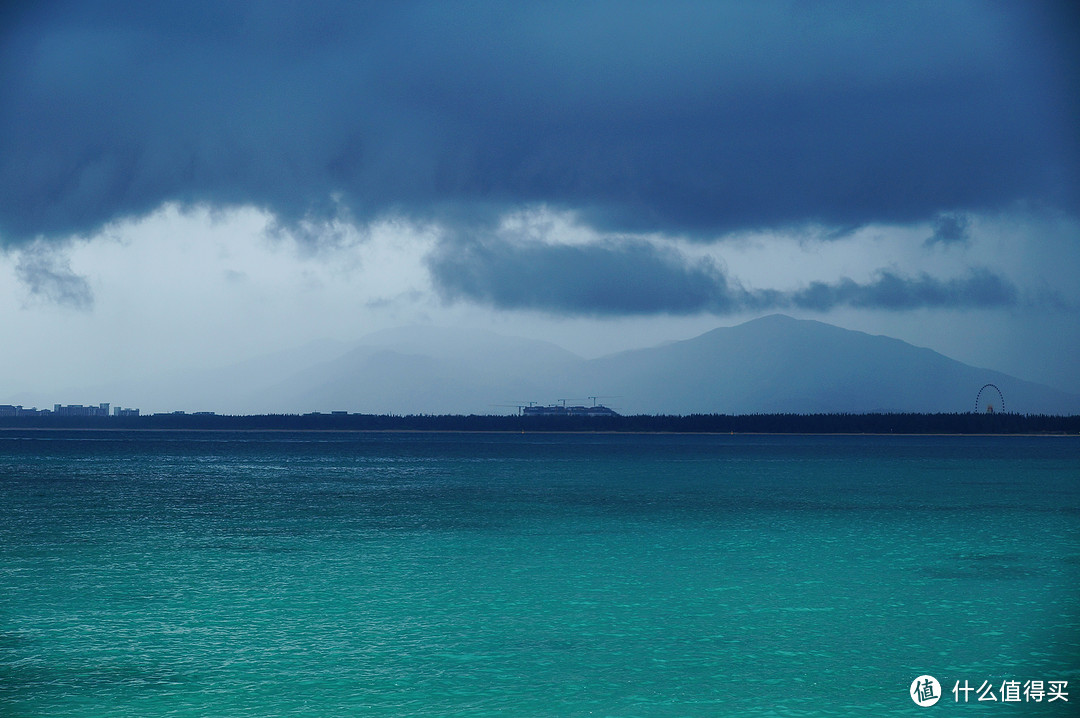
(882, 423)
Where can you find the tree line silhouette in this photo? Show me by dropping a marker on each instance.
(882, 423)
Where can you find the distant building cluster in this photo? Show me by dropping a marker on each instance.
(562, 410)
(68, 410)
(9, 410)
(80, 410)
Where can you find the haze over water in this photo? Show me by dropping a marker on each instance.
(193, 574)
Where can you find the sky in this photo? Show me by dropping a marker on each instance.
(192, 184)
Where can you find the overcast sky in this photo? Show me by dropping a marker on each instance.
(189, 184)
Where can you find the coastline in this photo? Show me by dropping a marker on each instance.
(907, 424)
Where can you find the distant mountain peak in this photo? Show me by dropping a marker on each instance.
(777, 363)
(774, 363)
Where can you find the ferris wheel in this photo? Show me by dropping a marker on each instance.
(989, 400)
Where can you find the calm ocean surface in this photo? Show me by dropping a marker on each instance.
(280, 574)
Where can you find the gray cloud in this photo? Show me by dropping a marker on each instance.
(980, 288)
(949, 229)
(610, 278)
(692, 118)
(47, 275)
(634, 277)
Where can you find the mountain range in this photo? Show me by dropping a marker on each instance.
(767, 365)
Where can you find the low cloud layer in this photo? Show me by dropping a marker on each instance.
(46, 274)
(979, 288)
(631, 277)
(684, 118)
(611, 278)
(950, 229)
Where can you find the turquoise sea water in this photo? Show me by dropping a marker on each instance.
(277, 574)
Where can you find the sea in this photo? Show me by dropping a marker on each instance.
(500, 574)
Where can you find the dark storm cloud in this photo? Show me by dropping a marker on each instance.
(611, 278)
(634, 277)
(47, 275)
(692, 118)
